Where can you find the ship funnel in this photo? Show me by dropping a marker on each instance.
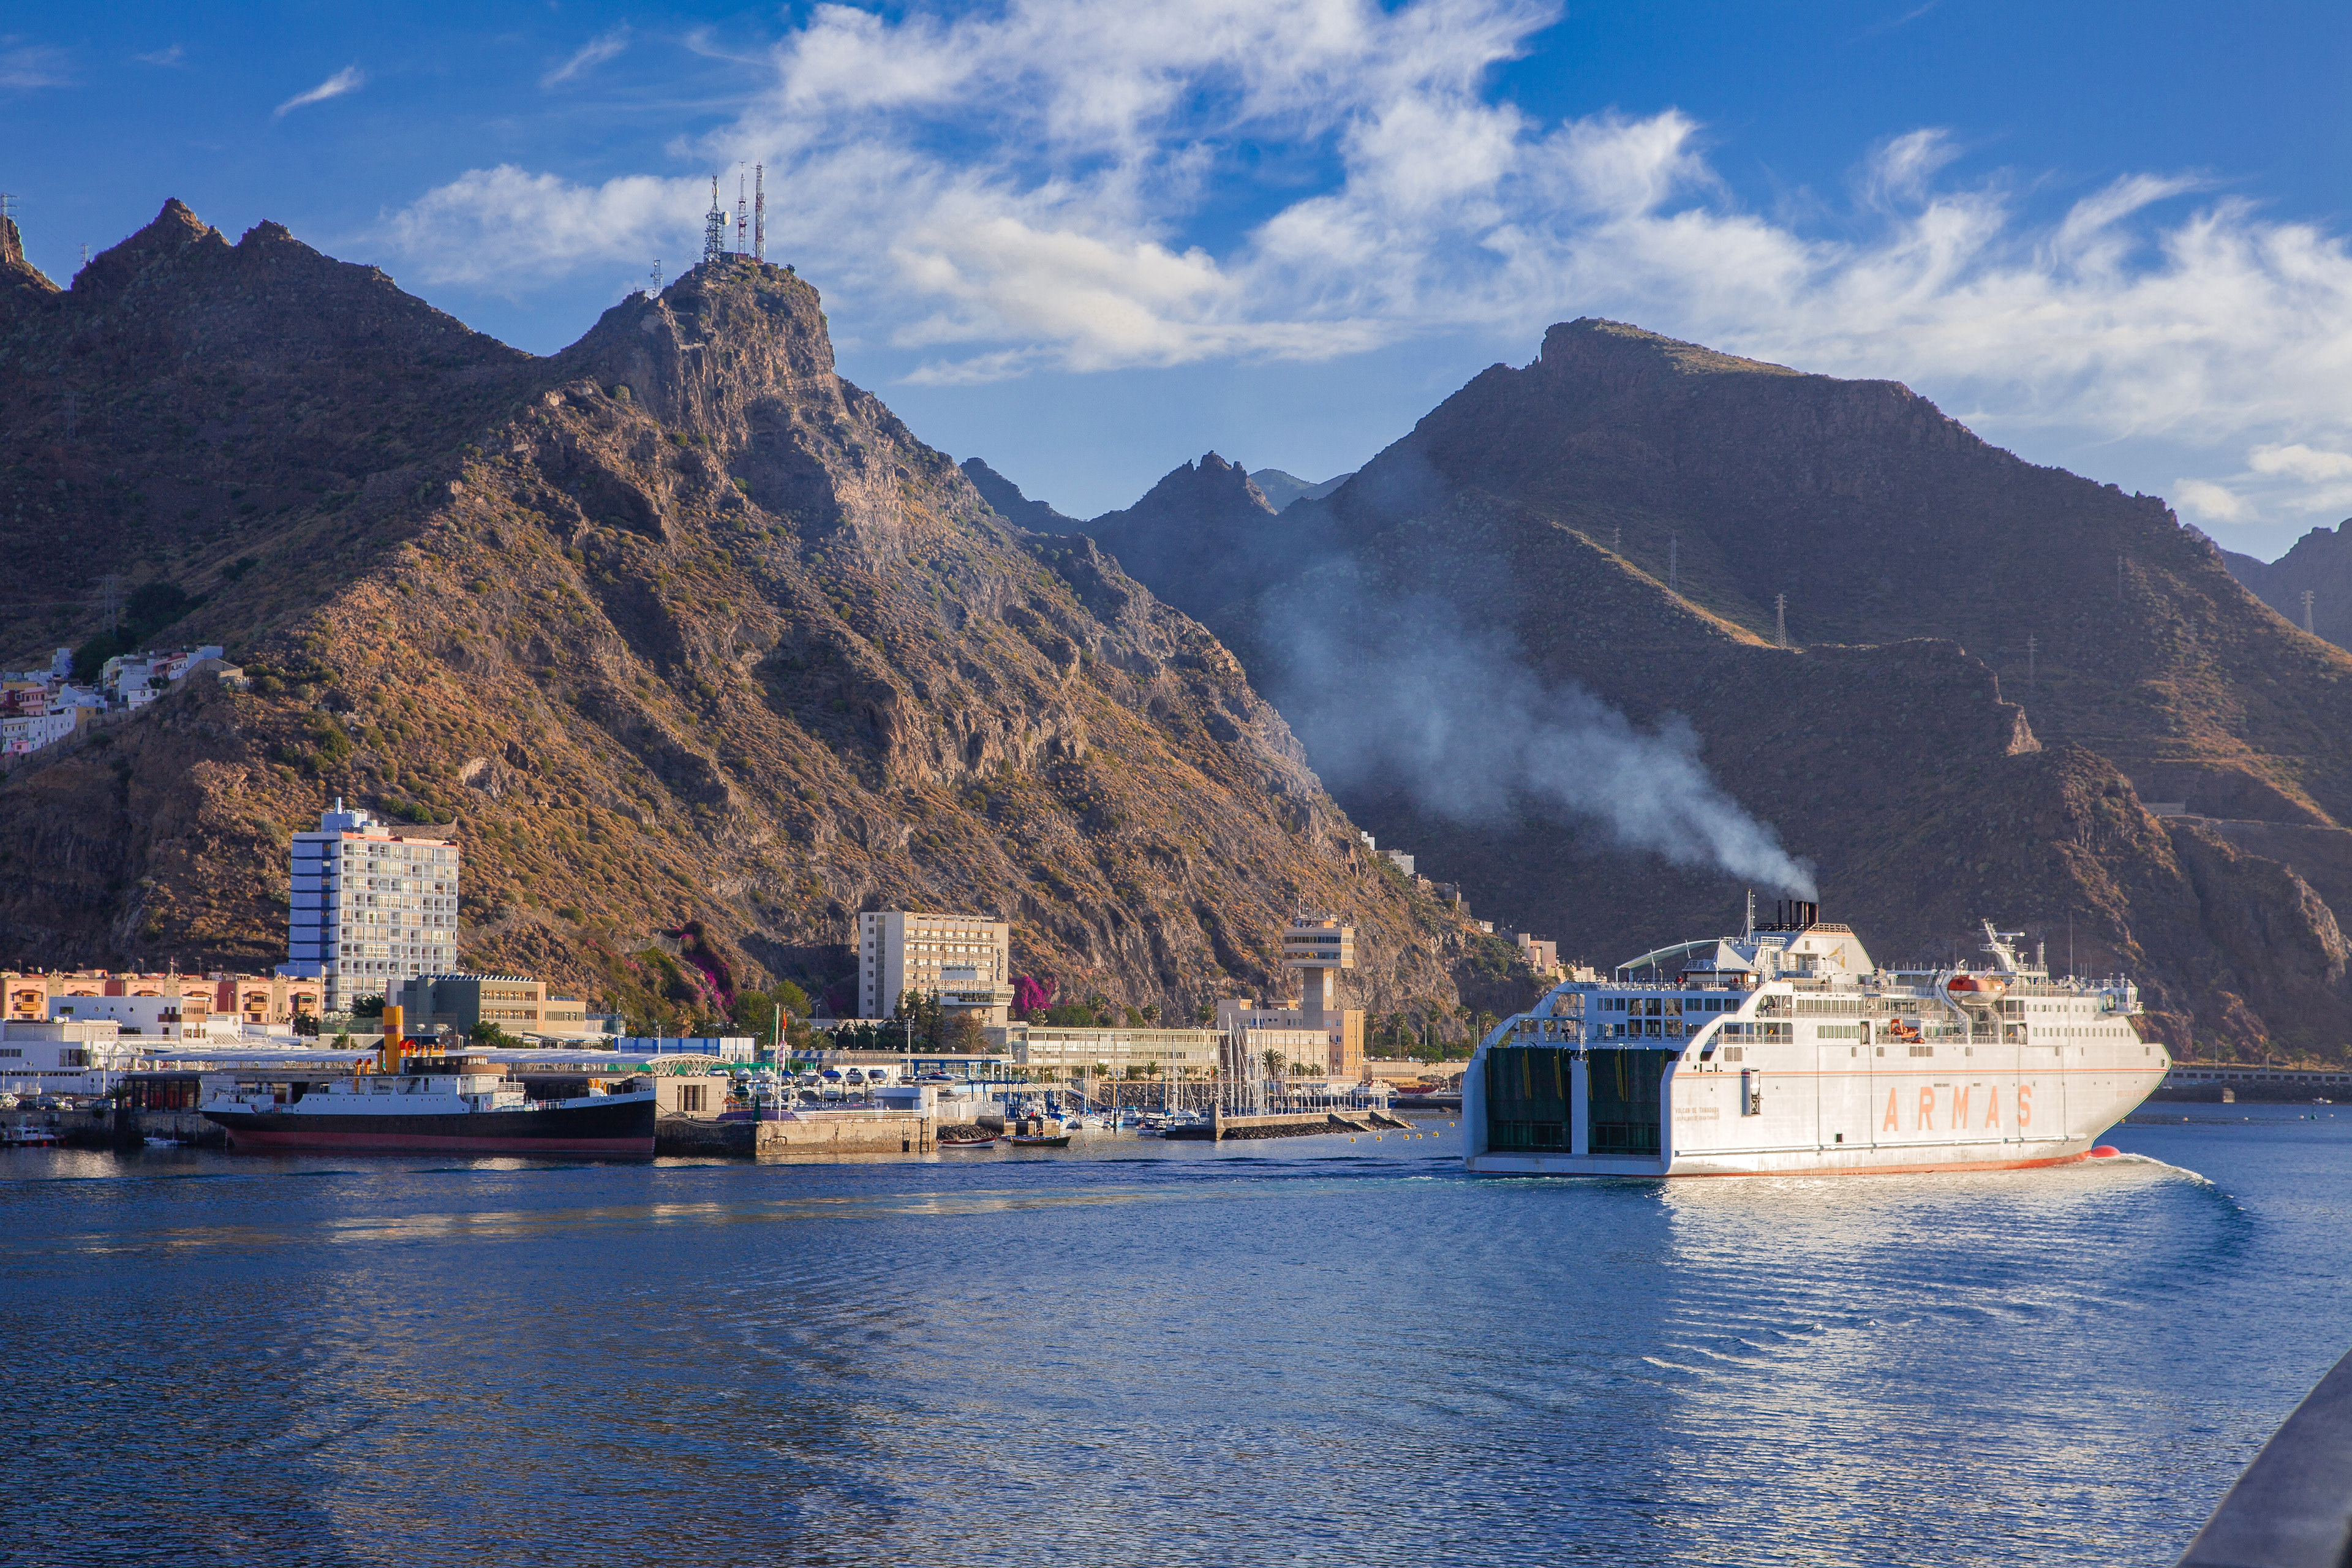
(388, 1055)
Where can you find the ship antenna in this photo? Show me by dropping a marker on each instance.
(1750, 935)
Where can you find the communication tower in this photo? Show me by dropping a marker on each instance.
(742, 215)
(1674, 562)
(2306, 611)
(1781, 619)
(759, 212)
(714, 227)
(2029, 659)
(653, 290)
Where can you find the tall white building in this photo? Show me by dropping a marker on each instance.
(371, 909)
(900, 950)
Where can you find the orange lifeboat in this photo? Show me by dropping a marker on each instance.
(1977, 987)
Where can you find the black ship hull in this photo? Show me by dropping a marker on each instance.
(622, 1127)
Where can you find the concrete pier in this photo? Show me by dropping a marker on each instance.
(811, 1134)
(1292, 1124)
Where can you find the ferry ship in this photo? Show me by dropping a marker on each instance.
(1786, 1050)
(459, 1105)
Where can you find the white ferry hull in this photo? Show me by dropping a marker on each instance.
(1831, 1072)
(1704, 1136)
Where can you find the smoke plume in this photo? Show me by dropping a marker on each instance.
(1456, 717)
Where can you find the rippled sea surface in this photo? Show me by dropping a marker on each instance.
(1306, 1351)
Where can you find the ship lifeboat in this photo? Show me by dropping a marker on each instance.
(1977, 987)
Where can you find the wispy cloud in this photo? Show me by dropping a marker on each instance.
(1905, 20)
(1031, 187)
(174, 55)
(589, 55)
(25, 67)
(350, 79)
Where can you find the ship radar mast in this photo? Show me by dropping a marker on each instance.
(2001, 945)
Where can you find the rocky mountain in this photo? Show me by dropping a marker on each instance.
(2320, 564)
(694, 646)
(1280, 489)
(1004, 498)
(1989, 668)
(1199, 520)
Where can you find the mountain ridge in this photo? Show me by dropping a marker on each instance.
(697, 647)
(1632, 517)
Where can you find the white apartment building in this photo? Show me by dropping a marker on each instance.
(371, 909)
(176, 1018)
(900, 950)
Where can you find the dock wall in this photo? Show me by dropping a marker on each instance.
(1298, 1124)
(811, 1134)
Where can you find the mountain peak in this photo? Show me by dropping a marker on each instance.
(18, 276)
(1221, 486)
(1589, 344)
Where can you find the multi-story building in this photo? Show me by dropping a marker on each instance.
(1061, 1051)
(900, 950)
(371, 909)
(260, 1000)
(516, 1003)
(1318, 946)
(166, 1017)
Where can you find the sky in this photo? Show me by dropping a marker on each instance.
(1088, 242)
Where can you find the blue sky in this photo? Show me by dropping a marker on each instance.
(1090, 241)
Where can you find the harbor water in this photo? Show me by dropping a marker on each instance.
(1138, 1352)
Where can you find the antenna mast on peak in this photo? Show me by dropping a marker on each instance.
(653, 290)
(714, 227)
(759, 212)
(742, 214)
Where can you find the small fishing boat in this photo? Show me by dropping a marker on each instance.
(1040, 1141)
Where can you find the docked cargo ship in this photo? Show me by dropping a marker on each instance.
(459, 1105)
(1787, 1050)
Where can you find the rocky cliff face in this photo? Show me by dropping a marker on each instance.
(1634, 517)
(1004, 498)
(692, 645)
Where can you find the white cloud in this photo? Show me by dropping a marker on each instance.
(177, 54)
(1050, 185)
(2203, 498)
(25, 67)
(350, 79)
(2298, 461)
(589, 55)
